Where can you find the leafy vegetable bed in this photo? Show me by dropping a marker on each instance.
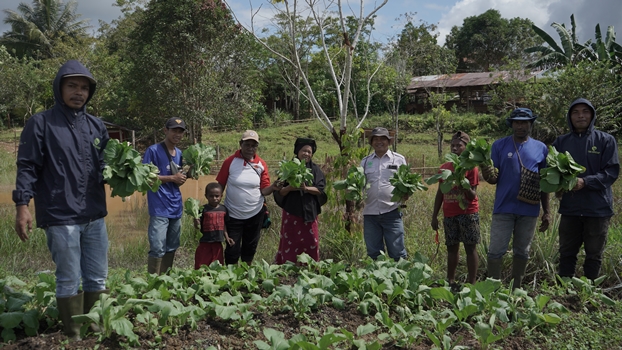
(382, 304)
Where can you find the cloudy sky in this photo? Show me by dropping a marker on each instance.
(444, 13)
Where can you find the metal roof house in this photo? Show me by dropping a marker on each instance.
(470, 88)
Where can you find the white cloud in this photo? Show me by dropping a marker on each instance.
(535, 10)
(542, 13)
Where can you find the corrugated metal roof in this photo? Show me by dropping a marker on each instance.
(463, 80)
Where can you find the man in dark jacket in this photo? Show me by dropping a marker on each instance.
(59, 164)
(587, 209)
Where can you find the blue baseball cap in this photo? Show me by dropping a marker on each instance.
(520, 114)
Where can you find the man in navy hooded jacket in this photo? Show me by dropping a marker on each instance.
(59, 164)
(587, 209)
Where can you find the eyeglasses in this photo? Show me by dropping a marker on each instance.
(250, 145)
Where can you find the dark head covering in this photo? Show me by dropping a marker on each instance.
(380, 132)
(72, 68)
(462, 136)
(520, 114)
(301, 142)
(589, 105)
(175, 123)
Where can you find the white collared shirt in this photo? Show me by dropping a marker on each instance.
(378, 171)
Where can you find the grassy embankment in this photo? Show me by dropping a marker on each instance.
(129, 244)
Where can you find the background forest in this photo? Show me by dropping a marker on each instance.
(192, 58)
(319, 73)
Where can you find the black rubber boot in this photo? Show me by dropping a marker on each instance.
(89, 300)
(154, 265)
(167, 262)
(518, 271)
(494, 268)
(67, 307)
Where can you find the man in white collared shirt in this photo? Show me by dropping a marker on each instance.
(382, 219)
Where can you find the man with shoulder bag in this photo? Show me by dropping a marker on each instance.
(517, 160)
(165, 205)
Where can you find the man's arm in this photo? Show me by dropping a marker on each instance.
(546, 215)
(29, 165)
(438, 201)
(608, 174)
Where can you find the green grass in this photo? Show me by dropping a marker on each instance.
(128, 235)
(593, 328)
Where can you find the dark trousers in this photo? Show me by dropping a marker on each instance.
(245, 233)
(574, 231)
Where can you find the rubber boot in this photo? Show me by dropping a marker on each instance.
(167, 262)
(89, 300)
(154, 265)
(494, 268)
(518, 271)
(67, 307)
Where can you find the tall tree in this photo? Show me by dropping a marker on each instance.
(339, 51)
(417, 44)
(36, 29)
(190, 59)
(487, 41)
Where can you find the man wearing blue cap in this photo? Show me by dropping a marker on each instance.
(514, 214)
(587, 209)
(165, 205)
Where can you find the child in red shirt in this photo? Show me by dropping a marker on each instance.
(212, 225)
(460, 225)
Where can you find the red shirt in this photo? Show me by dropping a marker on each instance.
(451, 206)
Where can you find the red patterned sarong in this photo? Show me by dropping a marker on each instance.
(297, 237)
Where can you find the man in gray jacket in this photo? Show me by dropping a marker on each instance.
(587, 209)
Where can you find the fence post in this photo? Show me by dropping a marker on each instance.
(423, 172)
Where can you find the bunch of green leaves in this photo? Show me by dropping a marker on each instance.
(477, 152)
(354, 184)
(294, 172)
(452, 179)
(192, 207)
(561, 174)
(199, 158)
(23, 311)
(125, 172)
(405, 183)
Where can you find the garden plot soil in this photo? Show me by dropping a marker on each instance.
(220, 334)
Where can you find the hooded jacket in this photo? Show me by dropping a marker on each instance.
(597, 151)
(60, 160)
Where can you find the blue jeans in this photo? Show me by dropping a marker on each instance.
(163, 235)
(79, 252)
(503, 226)
(382, 229)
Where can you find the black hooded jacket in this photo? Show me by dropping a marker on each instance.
(60, 160)
(597, 151)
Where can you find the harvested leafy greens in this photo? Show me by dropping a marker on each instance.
(405, 183)
(125, 172)
(199, 158)
(354, 184)
(476, 153)
(453, 179)
(295, 172)
(561, 173)
(192, 207)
